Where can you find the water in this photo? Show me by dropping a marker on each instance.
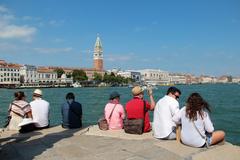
(223, 98)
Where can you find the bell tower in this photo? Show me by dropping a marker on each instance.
(98, 55)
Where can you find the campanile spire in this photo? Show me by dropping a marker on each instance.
(98, 54)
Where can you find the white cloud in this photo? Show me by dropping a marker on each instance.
(56, 22)
(13, 31)
(3, 9)
(10, 30)
(53, 50)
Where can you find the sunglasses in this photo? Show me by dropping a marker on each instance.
(177, 97)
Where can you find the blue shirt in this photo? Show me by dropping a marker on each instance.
(72, 115)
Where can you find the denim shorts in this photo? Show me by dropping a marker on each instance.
(209, 138)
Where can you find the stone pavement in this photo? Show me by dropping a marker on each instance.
(93, 144)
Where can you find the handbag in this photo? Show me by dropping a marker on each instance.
(102, 122)
(135, 126)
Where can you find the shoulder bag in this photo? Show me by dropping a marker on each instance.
(204, 137)
(102, 122)
(135, 126)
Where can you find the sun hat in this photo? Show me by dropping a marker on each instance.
(137, 90)
(26, 121)
(37, 92)
(113, 95)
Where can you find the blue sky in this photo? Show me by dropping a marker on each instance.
(198, 37)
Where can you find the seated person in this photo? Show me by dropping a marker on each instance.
(197, 128)
(71, 112)
(40, 110)
(114, 112)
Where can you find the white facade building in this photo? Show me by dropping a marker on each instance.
(9, 75)
(177, 78)
(47, 77)
(135, 75)
(28, 74)
(155, 77)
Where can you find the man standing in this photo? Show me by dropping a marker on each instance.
(71, 112)
(135, 107)
(166, 107)
(40, 110)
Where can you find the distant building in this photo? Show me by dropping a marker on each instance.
(236, 80)
(135, 75)
(98, 55)
(224, 79)
(155, 77)
(178, 78)
(206, 79)
(9, 74)
(46, 76)
(28, 74)
(65, 80)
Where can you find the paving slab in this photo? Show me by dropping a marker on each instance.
(91, 143)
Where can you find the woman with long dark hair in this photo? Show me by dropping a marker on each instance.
(197, 128)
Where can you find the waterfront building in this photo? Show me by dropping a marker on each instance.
(28, 75)
(135, 75)
(224, 79)
(178, 78)
(46, 76)
(65, 81)
(191, 79)
(155, 77)
(206, 79)
(236, 80)
(98, 55)
(9, 74)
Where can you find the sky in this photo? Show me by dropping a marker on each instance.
(201, 37)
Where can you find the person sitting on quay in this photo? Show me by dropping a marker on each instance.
(40, 110)
(163, 125)
(71, 112)
(18, 109)
(135, 107)
(114, 112)
(197, 128)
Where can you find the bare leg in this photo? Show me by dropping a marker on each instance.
(217, 136)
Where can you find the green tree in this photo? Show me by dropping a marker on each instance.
(59, 72)
(79, 75)
(97, 77)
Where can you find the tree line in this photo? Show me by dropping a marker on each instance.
(80, 76)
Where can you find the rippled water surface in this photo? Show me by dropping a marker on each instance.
(223, 98)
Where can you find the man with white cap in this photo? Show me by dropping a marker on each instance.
(135, 107)
(40, 110)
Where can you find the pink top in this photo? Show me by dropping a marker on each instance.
(118, 115)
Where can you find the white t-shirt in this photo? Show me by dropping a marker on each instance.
(189, 134)
(40, 112)
(164, 110)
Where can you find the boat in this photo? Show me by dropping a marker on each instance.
(76, 85)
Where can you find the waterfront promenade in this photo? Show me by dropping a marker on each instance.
(93, 144)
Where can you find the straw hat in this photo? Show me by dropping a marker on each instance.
(37, 92)
(26, 121)
(137, 90)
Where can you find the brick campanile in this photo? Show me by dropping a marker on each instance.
(98, 55)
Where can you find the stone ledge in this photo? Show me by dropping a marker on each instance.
(91, 143)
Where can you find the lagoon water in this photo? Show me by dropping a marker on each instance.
(223, 98)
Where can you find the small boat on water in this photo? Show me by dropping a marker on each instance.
(76, 85)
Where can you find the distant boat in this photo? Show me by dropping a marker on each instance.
(76, 85)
